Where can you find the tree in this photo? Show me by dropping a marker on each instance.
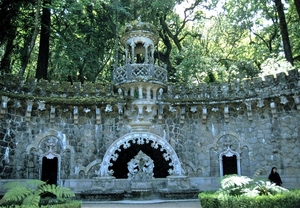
(29, 42)
(226, 43)
(42, 65)
(8, 12)
(16, 34)
(284, 31)
(173, 32)
(297, 5)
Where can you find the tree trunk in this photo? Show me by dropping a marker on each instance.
(297, 5)
(29, 44)
(5, 62)
(8, 31)
(284, 32)
(42, 66)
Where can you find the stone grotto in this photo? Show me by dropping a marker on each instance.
(140, 136)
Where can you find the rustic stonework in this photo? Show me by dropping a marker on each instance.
(256, 120)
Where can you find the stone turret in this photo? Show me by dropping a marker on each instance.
(140, 78)
(139, 40)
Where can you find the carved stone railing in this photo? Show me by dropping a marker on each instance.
(269, 86)
(139, 73)
(13, 86)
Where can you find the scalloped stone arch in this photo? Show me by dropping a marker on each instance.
(219, 136)
(229, 153)
(140, 138)
(237, 136)
(41, 136)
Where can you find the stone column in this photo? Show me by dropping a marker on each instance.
(132, 91)
(148, 92)
(140, 92)
(132, 52)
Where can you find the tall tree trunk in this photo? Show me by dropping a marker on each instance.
(284, 32)
(42, 66)
(29, 44)
(8, 11)
(297, 5)
(5, 62)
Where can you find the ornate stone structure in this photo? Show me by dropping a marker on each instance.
(83, 136)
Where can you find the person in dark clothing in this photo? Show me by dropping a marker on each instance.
(274, 177)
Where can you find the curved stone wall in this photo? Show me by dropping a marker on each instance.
(257, 119)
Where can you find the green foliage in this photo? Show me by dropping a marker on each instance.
(285, 200)
(34, 193)
(67, 204)
(241, 191)
(275, 66)
(235, 185)
(211, 41)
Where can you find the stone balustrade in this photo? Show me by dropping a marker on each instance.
(139, 72)
(250, 88)
(282, 84)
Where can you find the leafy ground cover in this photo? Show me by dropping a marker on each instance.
(36, 193)
(241, 192)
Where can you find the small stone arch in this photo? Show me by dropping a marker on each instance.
(230, 153)
(228, 144)
(40, 149)
(140, 138)
(225, 133)
(62, 137)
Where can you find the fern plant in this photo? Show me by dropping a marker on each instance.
(236, 185)
(29, 193)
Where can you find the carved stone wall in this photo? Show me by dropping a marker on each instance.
(258, 119)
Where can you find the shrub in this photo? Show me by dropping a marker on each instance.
(241, 192)
(35, 193)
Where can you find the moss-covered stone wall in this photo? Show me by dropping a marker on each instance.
(258, 119)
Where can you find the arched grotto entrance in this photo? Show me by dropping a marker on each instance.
(161, 166)
(120, 152)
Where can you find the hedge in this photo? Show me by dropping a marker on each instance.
(289, 199)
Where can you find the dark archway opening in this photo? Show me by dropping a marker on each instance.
(229, 165)
(49, 170)
(161, 166)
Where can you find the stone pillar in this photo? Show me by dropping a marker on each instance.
(140, 92)
(126, 55)
(152, 55)
(146, 45)
(132, 91)
(132, 52)
(221, 166)
(148, 92)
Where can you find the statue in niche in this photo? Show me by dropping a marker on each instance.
(140, 168)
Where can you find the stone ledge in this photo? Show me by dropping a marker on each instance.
(179, 194)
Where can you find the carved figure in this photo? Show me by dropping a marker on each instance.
(140, 168)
